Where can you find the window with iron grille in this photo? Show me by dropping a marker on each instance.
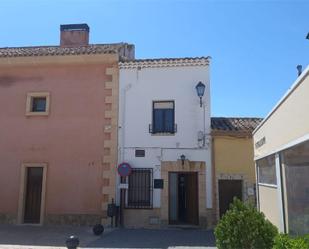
(140, 188)
(163, 117)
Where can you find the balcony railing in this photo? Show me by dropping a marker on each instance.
(169, 130)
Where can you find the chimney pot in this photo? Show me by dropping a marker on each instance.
(72, 35)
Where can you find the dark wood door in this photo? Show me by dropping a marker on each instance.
(228, 189)
(182, 198)
(192, 198)
(33, 195)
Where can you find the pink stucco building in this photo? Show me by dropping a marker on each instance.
(58, 129)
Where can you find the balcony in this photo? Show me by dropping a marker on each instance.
(162, 130)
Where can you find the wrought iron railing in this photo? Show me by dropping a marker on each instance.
(171, 130)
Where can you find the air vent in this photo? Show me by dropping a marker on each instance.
(139, 153)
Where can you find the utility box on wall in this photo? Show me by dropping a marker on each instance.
(158, 183)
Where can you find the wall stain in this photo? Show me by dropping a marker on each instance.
(10, 80)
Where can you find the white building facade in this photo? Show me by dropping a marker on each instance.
(164, 135)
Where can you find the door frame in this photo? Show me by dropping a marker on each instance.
(197, 199)
(168, 197)
(22, 192)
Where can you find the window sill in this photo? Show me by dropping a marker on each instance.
(268, 185)
(37, 114)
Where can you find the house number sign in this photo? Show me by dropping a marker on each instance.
(124, 169)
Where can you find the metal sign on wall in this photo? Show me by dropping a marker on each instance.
(124, 169)
(260, 143)
(158, 183)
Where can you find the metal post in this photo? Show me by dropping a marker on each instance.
(122, 202)
(112, 218)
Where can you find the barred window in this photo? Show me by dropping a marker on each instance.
(140, 188)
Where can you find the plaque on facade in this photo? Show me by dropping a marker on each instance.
(158, 183)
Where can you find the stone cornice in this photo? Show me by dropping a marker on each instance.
(165, 62)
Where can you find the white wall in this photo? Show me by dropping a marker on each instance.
(138, 89)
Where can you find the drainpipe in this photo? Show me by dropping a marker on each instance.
(119, 196)
(257, 193)
(204, 125)
(123, 123)
(209, 168)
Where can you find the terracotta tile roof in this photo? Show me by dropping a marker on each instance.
(60, 51)
(234, 124)
(165, 62)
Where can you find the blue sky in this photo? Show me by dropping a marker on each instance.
(255, 45)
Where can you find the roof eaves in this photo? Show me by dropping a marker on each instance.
(238, 134)
(35, 51)
(165, 62)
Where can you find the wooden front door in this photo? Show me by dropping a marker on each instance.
(33, 195)
(192, 198)
(228, 189)
(183, 198)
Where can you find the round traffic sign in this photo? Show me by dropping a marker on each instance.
(124, 169)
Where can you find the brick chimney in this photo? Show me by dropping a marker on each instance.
(74, 35)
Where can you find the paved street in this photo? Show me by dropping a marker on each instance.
(53, 237)
(42, 237)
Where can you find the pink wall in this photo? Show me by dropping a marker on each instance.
(70, 139)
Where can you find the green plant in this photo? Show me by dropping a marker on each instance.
(284, 241)
(243, 227)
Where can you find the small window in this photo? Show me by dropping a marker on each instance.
(163, 117)
(37, 104)
(140, 188)
(139, 153)
(267, 170)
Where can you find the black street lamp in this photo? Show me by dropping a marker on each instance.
(307, 37)
(200, 89)
(182, 158)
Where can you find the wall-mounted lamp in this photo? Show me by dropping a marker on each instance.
(200, 89)
(182, 158)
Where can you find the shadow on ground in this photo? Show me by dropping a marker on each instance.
(54, 237)
(144, 238)
(44, 236)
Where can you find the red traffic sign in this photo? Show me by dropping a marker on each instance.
(124, 169)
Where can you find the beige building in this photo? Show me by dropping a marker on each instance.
(282, 160)
(232, 148)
